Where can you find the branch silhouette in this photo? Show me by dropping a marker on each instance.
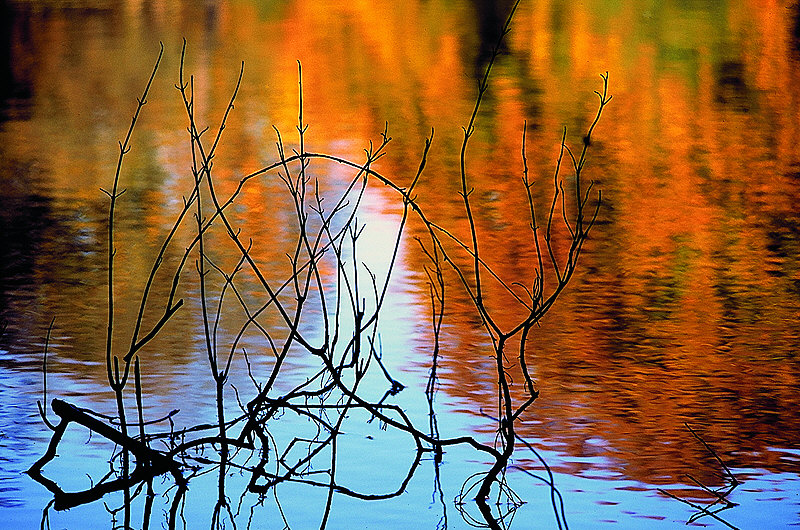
(325, 288)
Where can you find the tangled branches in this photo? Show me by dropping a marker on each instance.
(326, 311)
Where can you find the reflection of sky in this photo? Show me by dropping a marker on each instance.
(22, 439)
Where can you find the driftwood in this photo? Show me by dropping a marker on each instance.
(149, 462)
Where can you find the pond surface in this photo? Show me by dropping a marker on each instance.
(685, 307)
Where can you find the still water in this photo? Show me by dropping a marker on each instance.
(685, 307)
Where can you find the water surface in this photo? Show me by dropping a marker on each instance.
(684, 309)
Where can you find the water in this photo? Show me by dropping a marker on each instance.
(684, 308)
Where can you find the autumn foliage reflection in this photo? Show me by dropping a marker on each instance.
(695, 247)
